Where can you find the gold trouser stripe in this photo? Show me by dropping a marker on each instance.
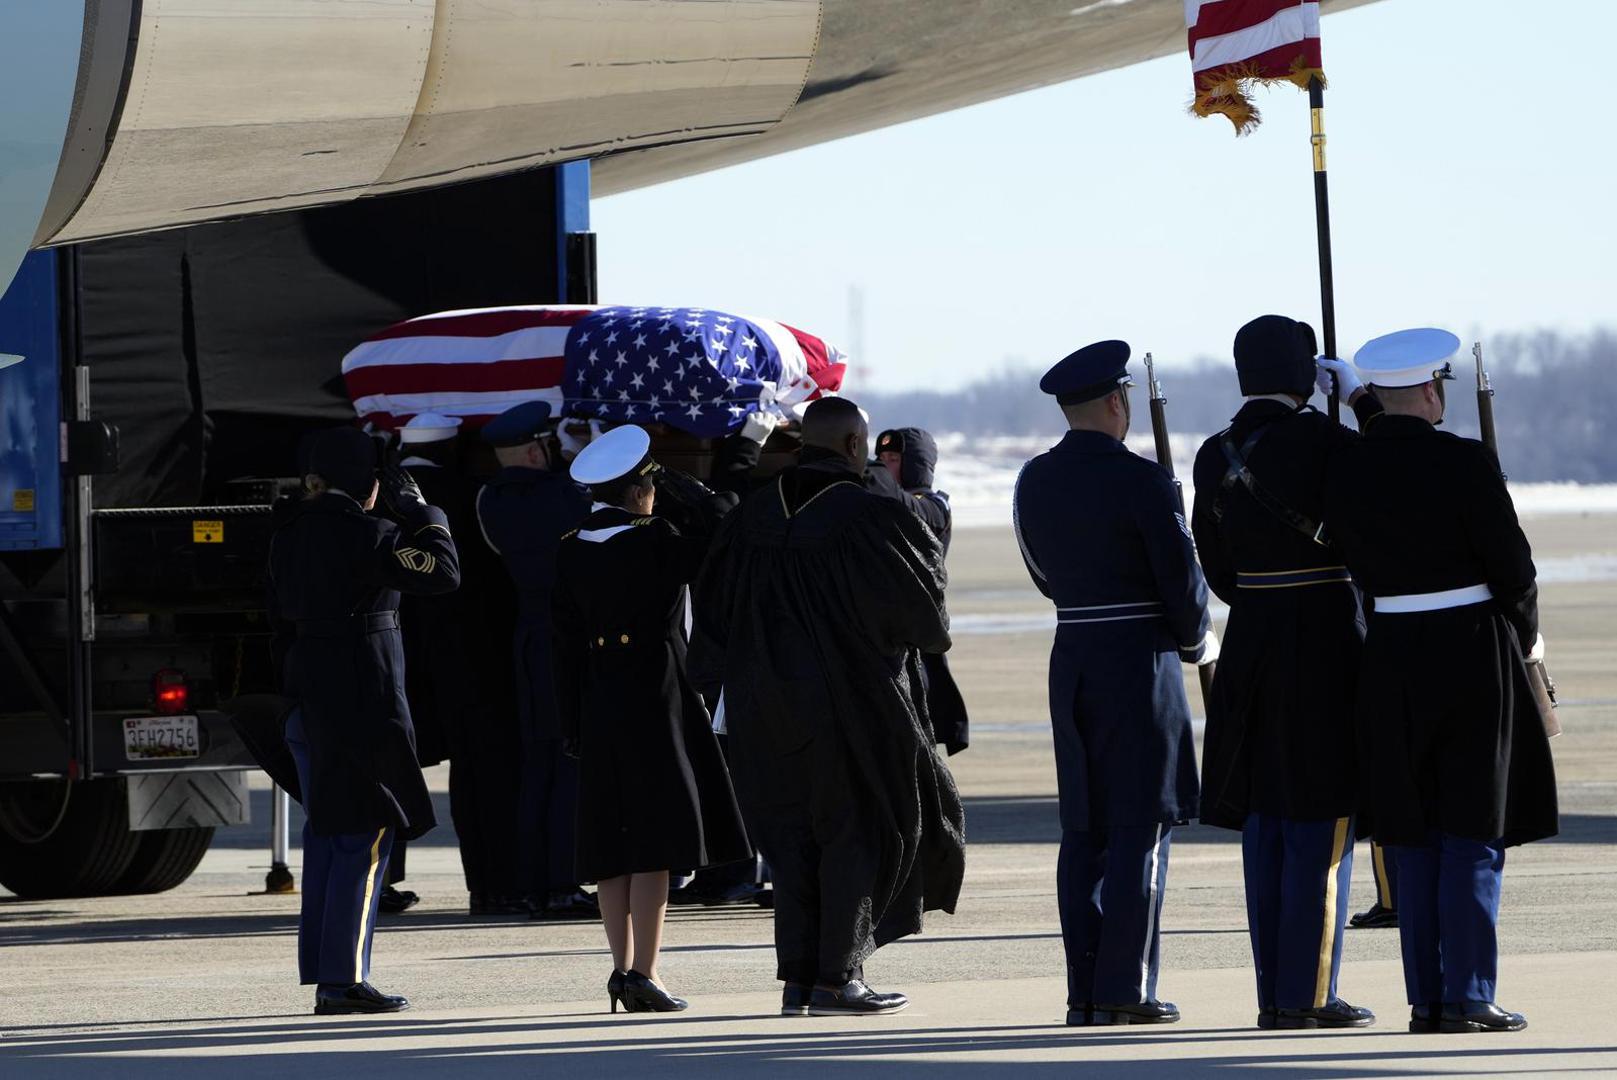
(1378, 856)
(365, 908)
(1327, 938)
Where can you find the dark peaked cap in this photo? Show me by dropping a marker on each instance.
(345, 457)
(518, 425)
(1092, 372)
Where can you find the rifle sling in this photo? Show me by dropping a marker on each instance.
(1239, 473)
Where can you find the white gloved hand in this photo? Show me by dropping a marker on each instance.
(758, 426)
(1208, 649)
(1347, 379)
(1536, 656)
(571, 445)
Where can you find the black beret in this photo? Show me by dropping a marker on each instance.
(1275, 355)
(346, 458)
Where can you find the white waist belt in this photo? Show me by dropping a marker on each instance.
(1433, 601)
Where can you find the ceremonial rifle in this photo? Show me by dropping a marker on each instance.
(1537, 673)
(1159, 433)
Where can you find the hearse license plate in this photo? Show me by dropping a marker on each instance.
(157, 738)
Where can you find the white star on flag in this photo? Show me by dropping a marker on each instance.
(655, 401)
(623, 359)
(741, 363)
(623, 395)
(672, 348)
(693, 411)
(696, 393)
(612, 338)
(639, 340)
(750, 342)
(594, 356)
(637, 382)
(668, 387)
(719, 346)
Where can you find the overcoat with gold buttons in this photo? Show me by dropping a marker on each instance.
(654, 793)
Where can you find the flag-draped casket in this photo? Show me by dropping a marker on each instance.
(694, 369)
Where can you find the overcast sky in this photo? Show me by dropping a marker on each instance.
(1471, 164)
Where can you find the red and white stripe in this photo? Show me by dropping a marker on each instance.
(1269, 37)
(472, 364)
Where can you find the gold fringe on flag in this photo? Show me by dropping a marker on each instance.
(1228, 91)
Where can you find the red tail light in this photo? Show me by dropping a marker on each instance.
(170, 695)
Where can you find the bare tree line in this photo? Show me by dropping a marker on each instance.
(1554, 397)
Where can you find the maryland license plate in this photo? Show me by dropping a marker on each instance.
(160, 738)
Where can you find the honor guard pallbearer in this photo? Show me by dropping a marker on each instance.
(1277, 761)
(336, 573)
(524, 510)
(1102, 536)
(1458, 764)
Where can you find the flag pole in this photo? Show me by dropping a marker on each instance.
(1322, 223)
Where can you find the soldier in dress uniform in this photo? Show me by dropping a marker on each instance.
(1276, 764)
(524, 510)
(1102, 535)
(906, 464)
(336, 574)
(1459, 765)
(654, 794)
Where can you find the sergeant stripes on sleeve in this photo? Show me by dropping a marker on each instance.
(422, 562)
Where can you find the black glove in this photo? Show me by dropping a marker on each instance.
(400, 493)
(570, 748)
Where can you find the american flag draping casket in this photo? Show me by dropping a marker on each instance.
(694, 369)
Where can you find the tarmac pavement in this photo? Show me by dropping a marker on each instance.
(201, 982)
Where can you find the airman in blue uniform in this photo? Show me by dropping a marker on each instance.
(1102, 535)
(524, 510)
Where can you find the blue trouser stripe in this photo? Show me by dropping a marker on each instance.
(1296, 906)
(343, 875)
(1448, 915)
(1109, 887)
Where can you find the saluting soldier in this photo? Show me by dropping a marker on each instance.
(654, 794)
(1277, 761)
(336, 573)
(524, 510)
(1102, 535)
(1459, 764)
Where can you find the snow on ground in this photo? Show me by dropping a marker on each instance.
(979, 473)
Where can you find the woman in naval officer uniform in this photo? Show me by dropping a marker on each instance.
(654, 794)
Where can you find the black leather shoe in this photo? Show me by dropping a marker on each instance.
(1479, 1016)
(1080, 1015)
(765, 899)
(854, 998)
(1337, 1014)
(642, 995)
(394, 901)
(744, 893)
(1146, 1012)
(359, 998)
(1376, 918)
(794, 1000)
(498, 905)
(571, 904)
(1423, 1019)
(1268, 1018)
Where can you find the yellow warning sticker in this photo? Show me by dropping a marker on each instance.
(22, 500)
(207, 532)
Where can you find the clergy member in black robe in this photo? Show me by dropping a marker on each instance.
(821, 596)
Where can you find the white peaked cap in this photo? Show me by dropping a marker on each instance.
(429, 427)
(617, 453)
(1407, 357)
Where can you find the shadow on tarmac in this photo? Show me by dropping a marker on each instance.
(687, 1047)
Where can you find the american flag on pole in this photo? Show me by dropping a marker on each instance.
(697, 370)
(1236, 43)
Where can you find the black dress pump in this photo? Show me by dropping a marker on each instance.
(615, 994)
(642, 995)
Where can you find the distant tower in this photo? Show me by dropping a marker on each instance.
(859, 369)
